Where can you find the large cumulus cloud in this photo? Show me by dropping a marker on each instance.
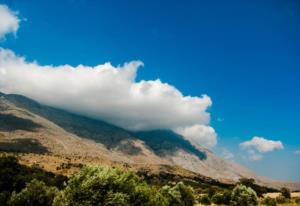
(111, 94)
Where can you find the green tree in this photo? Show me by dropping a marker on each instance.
(297, 200)
(248, 182)
(179, 195)
(4, 197)
(217, 198)
(282, 199)
(268, 201)
(106, 186)
(205, 200)
(14, 176)
(242, 195)
(286, 192)
(36, 193)
(226, 197)
(222, 197)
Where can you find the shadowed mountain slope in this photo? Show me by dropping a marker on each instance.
(27, 126)
(167, 142)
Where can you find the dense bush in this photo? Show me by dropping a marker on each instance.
(14, 176)
(226, 197)
(285, 192)
(106, 186)
(260, 190)
(297, 200)
(217, 198)
(222, 198)
(268, 201)
(180, 194)
(242, 195)
(36, 193)
(32, 186)
(281, 199)
(4, 197)
(204, 199)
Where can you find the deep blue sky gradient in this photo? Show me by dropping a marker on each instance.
(244, 54)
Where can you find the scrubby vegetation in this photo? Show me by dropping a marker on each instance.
(268, 201)
(35, 193)
(243, 195)
(32, 186)
(107, 186)
(14, 177)
(285, 192)
(94, 185)
(260, 190)
(285, 198)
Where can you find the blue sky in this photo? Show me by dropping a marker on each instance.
(243, 54)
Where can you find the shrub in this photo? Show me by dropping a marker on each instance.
(117, 199)
(107, 186)
(4, 196)
(180, 194)
(248, 182)
(14, 176)
(205, 200)
(297, 200)
(286, 192)
(260, 190)
(210, 191)
(242, 195)
(36, 193)
(268, 201)
(226, 197)
(217, 198)
(281, 199)
(222, 198)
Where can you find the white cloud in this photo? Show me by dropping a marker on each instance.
(262, 145)
(259, 145)
(201, 135)
(297, 152)
(111, 94)
(9, 22)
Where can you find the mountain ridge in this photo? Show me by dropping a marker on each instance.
(61, 132)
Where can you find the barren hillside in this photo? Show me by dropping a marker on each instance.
(29, 127)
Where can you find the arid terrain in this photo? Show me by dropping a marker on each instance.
(61, 142)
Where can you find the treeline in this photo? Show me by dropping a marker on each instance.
(31, 186)
(94, 186)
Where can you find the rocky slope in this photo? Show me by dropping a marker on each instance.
(29, 127)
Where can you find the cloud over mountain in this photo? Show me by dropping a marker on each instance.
(111, 94)
(199, 135)
(9, 22)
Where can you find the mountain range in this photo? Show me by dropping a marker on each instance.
(27, 126)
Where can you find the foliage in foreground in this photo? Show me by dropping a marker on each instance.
(268, 201)
(35, 193)
(107, 186)
(242, 195)
(14, 177)
(31, 186)
(285, 192)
